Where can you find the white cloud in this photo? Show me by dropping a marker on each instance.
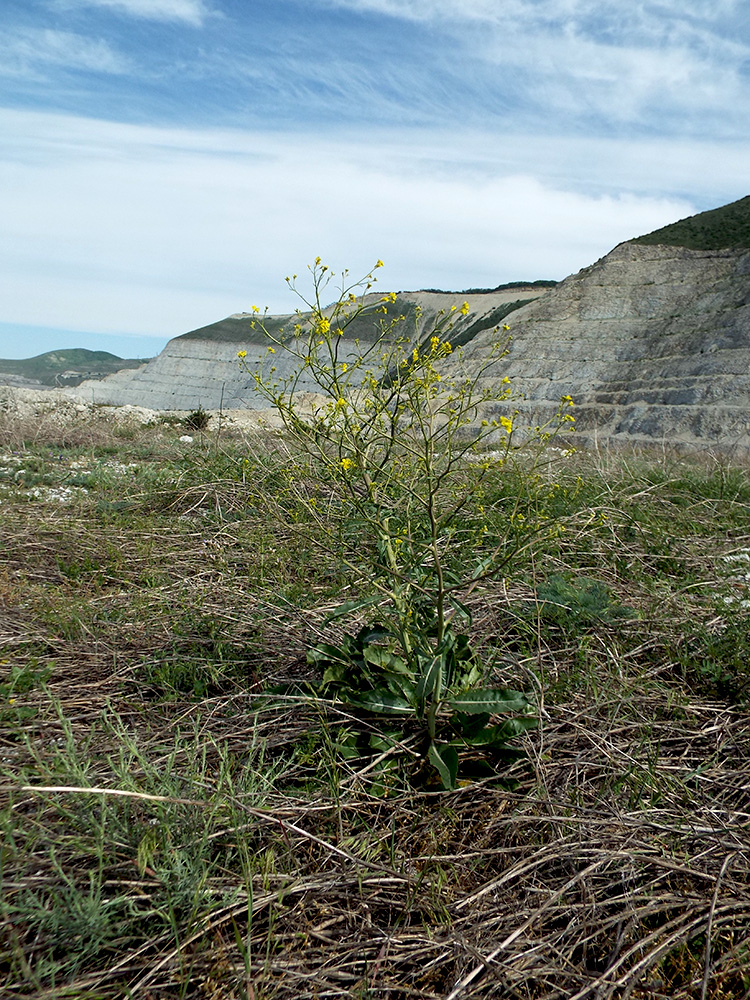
(190, 11)
(630, 83)
(508, 12)
(111, 227)
(641, 60)
(22, 53)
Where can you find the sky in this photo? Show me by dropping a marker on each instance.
(166, 163)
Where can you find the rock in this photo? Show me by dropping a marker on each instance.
(201, 368)
(652, 342)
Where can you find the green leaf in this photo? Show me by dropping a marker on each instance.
(385, 740)
(445, 762)
(387, 661)
(379, 700)
(403, 687)
(495, 736)
(468, 725)
(334, 674)
(369, 634)
(349, 606)
(324, 653)
(461, 608)
(490, 700)
(431, 680)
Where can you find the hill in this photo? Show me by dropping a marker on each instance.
(67, 367)
(722, 228)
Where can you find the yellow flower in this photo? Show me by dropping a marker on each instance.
(344, 366)
(241, 354)
(341, 402)
(346, 464)
(255, 309)
(380, 264)
(465, 309)
(324, 324)
(507, 424)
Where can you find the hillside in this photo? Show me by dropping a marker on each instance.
(67, 367)
(722, 228)
(200, 368)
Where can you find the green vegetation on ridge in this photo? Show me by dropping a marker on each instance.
(722, 228)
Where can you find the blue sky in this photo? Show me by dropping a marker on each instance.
(164, 163)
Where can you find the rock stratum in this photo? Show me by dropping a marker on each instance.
(652, 342)
(201, 368)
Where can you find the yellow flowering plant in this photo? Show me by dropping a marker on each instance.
(396, 446)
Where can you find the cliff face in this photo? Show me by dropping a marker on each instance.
(652, 343)
(201, 368)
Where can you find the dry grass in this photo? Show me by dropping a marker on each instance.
(171, 829)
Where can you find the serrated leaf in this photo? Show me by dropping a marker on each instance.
(489, 700)
(445, 762)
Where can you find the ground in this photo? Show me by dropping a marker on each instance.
(183, 817)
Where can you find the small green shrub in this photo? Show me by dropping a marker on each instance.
(197, 420)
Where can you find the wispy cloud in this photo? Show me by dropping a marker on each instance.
(507, 12)
(27, 51)
(662, 63)
(190, 11)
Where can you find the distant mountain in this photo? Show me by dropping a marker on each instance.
(66, 367)
(725, 228)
